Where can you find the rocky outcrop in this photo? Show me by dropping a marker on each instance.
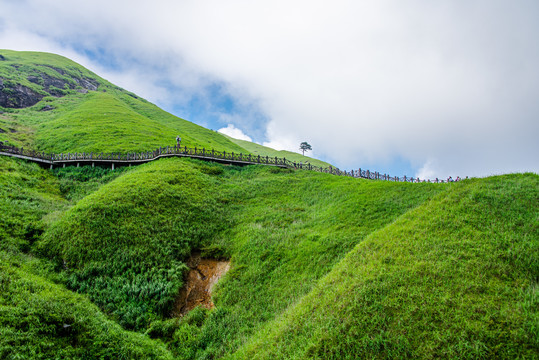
(88, 84)
(17, 96)
(48, 81)
(47, 108)
(14, 95)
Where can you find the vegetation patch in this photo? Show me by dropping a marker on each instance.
(41, 320)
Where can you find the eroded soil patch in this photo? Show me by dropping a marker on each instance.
(202, 277)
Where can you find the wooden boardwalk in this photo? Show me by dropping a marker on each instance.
(113, 160)
(135, 158)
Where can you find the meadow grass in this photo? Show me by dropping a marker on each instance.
(125, 245)
(39, 318)
(43, 320)
(454, 278)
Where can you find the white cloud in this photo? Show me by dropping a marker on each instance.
(234, 132)
(428, 170)
(448, 83)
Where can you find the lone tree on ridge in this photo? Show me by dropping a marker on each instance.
(304, 146)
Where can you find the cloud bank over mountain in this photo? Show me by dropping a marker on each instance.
(432, 88)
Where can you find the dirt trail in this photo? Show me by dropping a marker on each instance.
(202, 277)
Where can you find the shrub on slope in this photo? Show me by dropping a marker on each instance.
(41, 320)
(455, 278)
(125, 244)
(27, 193)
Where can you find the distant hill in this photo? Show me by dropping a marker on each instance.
(53, 104)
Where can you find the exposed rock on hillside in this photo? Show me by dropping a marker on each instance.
(17, 96)
(202, 277)
(13, 95)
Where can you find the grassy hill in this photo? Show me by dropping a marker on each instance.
(92, 260)
(39, 317)
(59, 106)
(453, 278)
(101, 117)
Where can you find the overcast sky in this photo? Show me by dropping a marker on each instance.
(422, 88)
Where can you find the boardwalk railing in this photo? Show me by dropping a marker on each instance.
(133, 158)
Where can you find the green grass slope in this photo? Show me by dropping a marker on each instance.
(39, 318)
(42, 320)
(125, 245)
(107, 119)
(455, 278)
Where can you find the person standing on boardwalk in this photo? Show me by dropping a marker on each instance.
(178, 141)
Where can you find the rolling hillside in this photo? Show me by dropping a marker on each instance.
(92, 261)
(50, 103)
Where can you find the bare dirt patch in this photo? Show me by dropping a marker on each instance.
(202, 277)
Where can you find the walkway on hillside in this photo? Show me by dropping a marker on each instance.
(135, 158)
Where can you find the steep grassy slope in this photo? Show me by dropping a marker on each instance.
(454, 278)
(98, 117)
(39, 318)
(74, 110)
(126, 244)
(290, 229)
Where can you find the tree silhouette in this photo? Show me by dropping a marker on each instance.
(304, 146)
